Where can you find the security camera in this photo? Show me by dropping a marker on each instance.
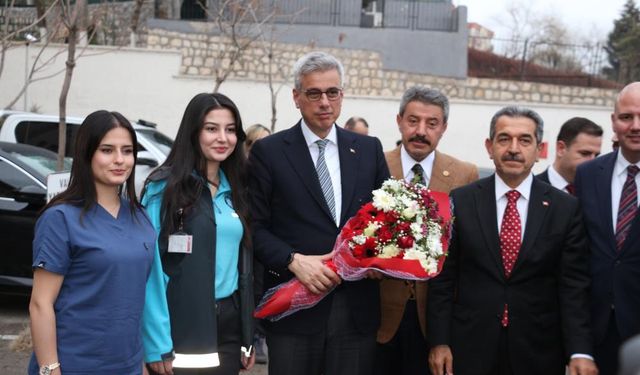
(30, 38)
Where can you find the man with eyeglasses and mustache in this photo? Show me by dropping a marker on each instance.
(422, 120)
(305, 183)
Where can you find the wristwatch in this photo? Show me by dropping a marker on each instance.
(47, 369)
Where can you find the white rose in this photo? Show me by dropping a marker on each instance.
(408, 213)
(370, 230)
(389, 251)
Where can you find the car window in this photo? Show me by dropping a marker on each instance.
(160, 140)
(45, 135)
(12, 179)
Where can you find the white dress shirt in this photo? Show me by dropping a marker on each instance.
(556, 180)
(408, 162)
(617, 182)
(331, 158)
(523, 202)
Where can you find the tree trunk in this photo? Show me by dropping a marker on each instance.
(70, 65)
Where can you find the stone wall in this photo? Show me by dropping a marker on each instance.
(364, 73)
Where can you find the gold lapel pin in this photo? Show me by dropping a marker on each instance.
(445, 173)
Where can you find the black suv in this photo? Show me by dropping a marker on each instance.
(23, 192)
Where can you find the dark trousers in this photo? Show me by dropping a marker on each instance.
(228, 341)
(338, 349)
(407, 352)
(606, 352)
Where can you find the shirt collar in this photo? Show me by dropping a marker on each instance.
(621, 165)
(225, 186)
(524, 188)
(408, 162)
(310, 137)
(556, 179)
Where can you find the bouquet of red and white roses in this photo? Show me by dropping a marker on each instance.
(403, 233)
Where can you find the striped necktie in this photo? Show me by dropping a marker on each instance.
(628, 206)
(324, 177)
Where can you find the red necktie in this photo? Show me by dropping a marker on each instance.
(571, 189)
(510, 240)
(628, 206)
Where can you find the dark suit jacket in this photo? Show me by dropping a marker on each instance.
(547, 292)
(615, 275)
(290, 214)
(544, 176)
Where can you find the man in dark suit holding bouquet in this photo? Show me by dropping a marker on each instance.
(305, 183)
(512, 297)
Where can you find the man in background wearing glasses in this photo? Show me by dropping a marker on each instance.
(305, 183)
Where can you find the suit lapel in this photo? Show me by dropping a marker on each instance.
(394, 162)
(440, 179)
(603, 189)
(349, 160)
(485, 199)
(297, 152)
(539, 205)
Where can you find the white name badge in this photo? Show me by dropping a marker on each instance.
(180, 243)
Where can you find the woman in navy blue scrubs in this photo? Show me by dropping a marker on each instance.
(92, 254)
(198, 313)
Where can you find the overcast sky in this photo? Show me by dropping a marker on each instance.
(584, 17)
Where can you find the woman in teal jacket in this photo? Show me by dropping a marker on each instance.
(197, 315)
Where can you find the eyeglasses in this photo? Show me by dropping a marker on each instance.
(332, 93)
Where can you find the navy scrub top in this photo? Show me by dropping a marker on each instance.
(105, 262)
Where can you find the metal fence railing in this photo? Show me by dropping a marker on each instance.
(439, 15)
(420, 15)
(538, 61)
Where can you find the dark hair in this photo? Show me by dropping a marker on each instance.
(575, 126)
(351, 122)
(515, 111)
(82, 188)
(185, 157)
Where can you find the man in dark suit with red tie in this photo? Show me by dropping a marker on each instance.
(512, 297)
(608, 193)
(578, 141)
(305, 183)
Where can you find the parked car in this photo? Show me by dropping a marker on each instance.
(42, 131)
(23, 191)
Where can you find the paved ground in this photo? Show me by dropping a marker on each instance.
(14, 318)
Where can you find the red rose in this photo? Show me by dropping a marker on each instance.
(370, 243)
(405, 242)
(391, 217)
(384, 234)
(403, 226)
(358, 251)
